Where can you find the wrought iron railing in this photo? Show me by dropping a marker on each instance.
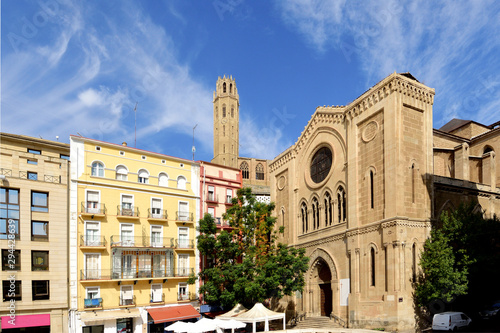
(134, 273)
(91, 207)
(89, 303)
(189, 296)
(155, 213)
(184, 216)
(211, 197)
(127, 301)
(184, 271)
(142, 241)
(184, 243)
(127, 211)
(92, 240)
(229, 200)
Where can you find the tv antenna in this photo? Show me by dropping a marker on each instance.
(193, 149)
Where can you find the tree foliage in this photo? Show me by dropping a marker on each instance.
(246, 264)
(457, 258)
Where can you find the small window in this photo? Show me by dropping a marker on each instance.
(11, 290)
(11, 260)
(143, 157)
(92, 292)
(122, 153)
(32, 175)
(143, 176)
(39, 231)
(39, 202)
(64, 157)
(182, 165)
(163, 161)
(97, 169)
(34, 151)
(40, 290)
(33, 162)
(372, 267)
(121, 172)
(39, 260)
(97, 148)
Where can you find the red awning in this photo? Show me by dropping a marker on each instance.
(173, 313)
(26, 321)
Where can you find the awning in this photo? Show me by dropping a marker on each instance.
(106, 315)
(26, 321)
(173, 313)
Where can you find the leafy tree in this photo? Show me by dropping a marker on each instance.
(246, 264)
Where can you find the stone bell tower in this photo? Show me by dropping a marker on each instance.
(226, 122)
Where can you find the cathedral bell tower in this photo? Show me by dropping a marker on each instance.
(226, 122)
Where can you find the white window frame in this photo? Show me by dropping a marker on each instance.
(179, 268)
(229, 195)
(92, 243)
(145, 179)
(211, 190)
(98, 263)
(120, 173)
(98, 295)
(186, 218)
(98, 208)
(156, 215)
(121, 201)
(208, 211)
(127, 242)
(92, 169)
(183, 245)
(160, 243)
(131, 291)
(153, 300)
(184, 187)
(183, 296)
(159, 178)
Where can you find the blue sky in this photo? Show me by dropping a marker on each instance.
(71, 67)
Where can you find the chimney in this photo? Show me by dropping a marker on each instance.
(124, 144)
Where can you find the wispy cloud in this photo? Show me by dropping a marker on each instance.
(449, 45)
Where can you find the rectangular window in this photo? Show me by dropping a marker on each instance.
(129, 266)
(144, 265)
(156, 295)
(92, 266)
(92, 234)
(39, 260)
(34, 151)
(39, 231)
(92, 298)
(183, 237)
(127, 205)
(11, 290)
(64, 157)
(183, 211)
(127, 234)
(39, 202)
(211, 193)
(229, 195)
(93, 205)
(93, 329)
(11, 260)
(156, 235)
(9, 213)
(92, 292)
(211, 211)
(40, 290)
(183, 269)
(183, 293)
(32, 175)
(127, 295)
(156, 208)
(33, 162)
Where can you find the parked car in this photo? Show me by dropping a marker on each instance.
(450, 321)
(491, 312)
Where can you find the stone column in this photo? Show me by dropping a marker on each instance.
(397, 267)
(389, 267)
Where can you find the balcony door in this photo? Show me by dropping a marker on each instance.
(183, 269)
(129, 266)
(156, 293)
(127, 234)
(93, 206)
(92, 266)
(156, 208)
(183, 238)
(183, 211)
(127, 208)
(156, 236)
(127, 295)
(92, 234)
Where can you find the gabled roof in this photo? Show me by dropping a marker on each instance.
(454, 124)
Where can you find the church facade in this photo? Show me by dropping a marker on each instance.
(359, 189)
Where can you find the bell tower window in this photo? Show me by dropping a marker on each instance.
(231, 88)
(224, 87)
(224, 111)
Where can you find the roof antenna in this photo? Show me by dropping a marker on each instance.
(135, 125)
(193, 149)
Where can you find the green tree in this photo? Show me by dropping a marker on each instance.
(246, 264)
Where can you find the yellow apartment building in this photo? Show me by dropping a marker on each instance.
(133, 235)
(34, 176)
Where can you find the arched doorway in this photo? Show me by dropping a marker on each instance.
(322, 285)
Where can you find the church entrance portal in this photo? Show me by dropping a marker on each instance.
(325, 287)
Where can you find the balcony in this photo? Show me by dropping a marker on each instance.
(92, 303)
(93, 208)
(155, 299)
(34, 176)
(142, 241)
(184, 216)
(128, 301)
(212, 198)
(182, 243)
(92, 241)
(129, 212)
(157, 214)
(187, 296)
(134, 274)
(220, 223)
(229, 200)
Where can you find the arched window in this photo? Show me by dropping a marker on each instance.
(121, 172)
(341, 204)
(413, 175)
(372, 267)
(181, 183)
(259, 172)
(230, 88)
(487, 149)
(163, 179)
(97, 169)
(372, 199)
(314, 209)
(143, 176)
(328, 209)
(232, 112)
(244, 170)
(224, 87)
(223, 111)
(414, 263)
(283, 218)
(303, 211)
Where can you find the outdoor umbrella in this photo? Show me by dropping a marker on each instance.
(179, 327)
(229, 324)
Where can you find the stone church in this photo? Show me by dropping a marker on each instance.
(359, 189)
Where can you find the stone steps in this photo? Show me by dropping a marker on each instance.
(316, 322)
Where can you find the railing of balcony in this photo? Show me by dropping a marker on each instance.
(127, 211)
(91, 207)
(211, 197)
(156, 299)
(155, 213)
(134, 273)
(52, 179)
(221, 223)
(184, 216)
(6, 172)
(189, 296)
(141, 241)
(89, 303)
(181, 243)
(91, 240)
(229, 200)
(124, 301)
